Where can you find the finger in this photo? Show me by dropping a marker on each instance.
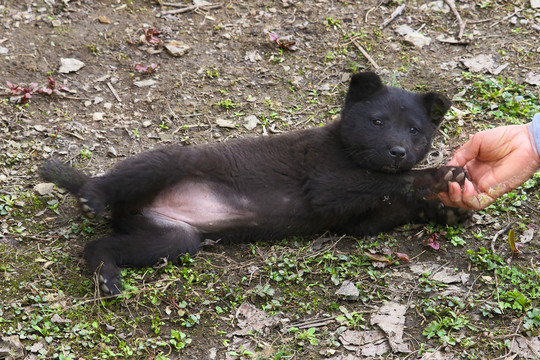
(469, 190)
(479, 202)
(445, 199)
(467, 152)
(454, 192)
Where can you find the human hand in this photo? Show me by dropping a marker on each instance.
(497, 160)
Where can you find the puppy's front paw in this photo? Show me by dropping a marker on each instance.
(434, 210)
(446, 174)
(86, 209)
(91, 201)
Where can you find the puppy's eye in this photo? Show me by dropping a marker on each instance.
(377, 122)
(413, 130)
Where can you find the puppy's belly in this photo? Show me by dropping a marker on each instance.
(207, 206)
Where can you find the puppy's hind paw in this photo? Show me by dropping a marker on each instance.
(110, 286)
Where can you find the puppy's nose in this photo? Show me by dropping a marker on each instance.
(397, 152)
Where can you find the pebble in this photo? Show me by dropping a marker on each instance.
(111, 152)
(251, 122)
(176, 48)
(404, 29)
(68, 65)
(144, 83)
(44, 188)
(417, 40)
(348, 290)
(97, 116)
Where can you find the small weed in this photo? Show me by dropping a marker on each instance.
(86, 153)
(351, 319)
(211, 73)
(226, 104)
(7, 202)
(179, 340)
(444, 326)
(307, 335)
(93, 49)
(502, 99)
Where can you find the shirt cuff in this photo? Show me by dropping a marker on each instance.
(535, 127)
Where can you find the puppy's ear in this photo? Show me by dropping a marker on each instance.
(436, 106)
(362, 86)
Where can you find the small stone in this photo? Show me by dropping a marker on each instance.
(97, 116)
(40, 128)
(146, 123)
(348, 290)
(417, 40)
(404, 29)
(479, 64)
(107, 106)
(436, 6)
(104, 20)
(535, 4)
(252, 56)
(533, 79)
(145, 83)
(98, 99)
(251, 122)
(68, 65)
(56, 23)
(3, 50)
(111, 152)
(44, 188)
(176, 48)
(166, 137)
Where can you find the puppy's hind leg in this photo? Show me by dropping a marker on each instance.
(144, 246)
(137, 180)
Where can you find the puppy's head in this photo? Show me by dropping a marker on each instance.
(386, 128)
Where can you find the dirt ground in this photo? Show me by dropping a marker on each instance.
(232, 78)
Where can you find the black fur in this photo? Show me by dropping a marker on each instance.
(351, 176)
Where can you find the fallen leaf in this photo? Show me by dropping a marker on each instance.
(391, 319)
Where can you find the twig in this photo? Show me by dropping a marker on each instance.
(365, 53)
(499, 233)
(114, 92)
(188, 8)
(516, 11)
(394, 15)
(452, 5)
(456, 41)
(313, 323)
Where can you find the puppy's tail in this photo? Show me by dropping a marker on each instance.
(63, 176)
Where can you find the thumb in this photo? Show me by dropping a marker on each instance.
(469, 151)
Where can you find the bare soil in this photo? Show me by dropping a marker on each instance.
(231, 72)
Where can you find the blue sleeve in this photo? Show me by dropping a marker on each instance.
(536, 130)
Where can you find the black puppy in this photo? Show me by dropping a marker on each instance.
(351, 176)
